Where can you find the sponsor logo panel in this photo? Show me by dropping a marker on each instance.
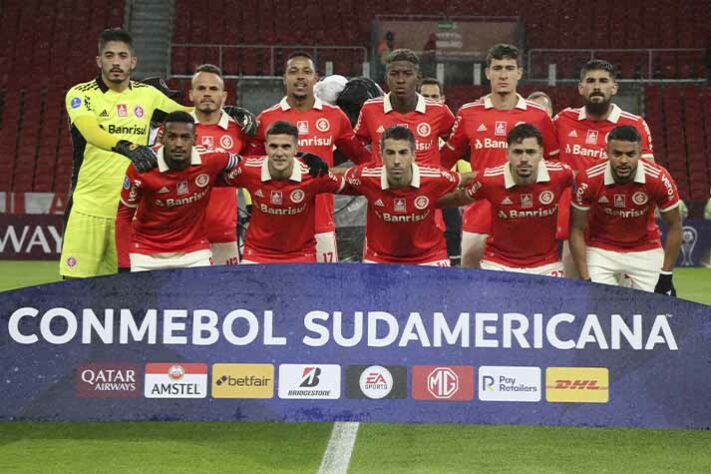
(376, 381)
(109, 380)
(175, 380)
(314, 381)
(443, 382)
(242, 380)
(509, 384)
(577, 384)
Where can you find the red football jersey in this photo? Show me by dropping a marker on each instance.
(523, 217)
(169, 205)
(622, 215)
(429, 122)
(283, 211)
(225, 136)
(400, 225)
(320, 129)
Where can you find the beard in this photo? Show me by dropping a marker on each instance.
(597, 109)
(176, 165)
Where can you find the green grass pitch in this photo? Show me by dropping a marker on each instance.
(182, 447)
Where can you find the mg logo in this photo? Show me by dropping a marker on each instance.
(442, 382)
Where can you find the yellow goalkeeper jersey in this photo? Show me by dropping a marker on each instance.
(98, 174)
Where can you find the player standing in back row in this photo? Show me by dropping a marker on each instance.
(483, 126)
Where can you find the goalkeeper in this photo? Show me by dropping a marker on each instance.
(110, 118)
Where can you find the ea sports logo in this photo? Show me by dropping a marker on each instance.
(424, 129)
(297, 196)
(323, 125)
(202, 180)
(421, 202)
(176, 372)
(546, 197)
(376, 382)
(442, 382)
(226, 142)
(640, 198)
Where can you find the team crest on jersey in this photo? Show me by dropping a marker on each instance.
(303, 127)
(421, 202)
(138, 111)
(506, 201)
(323, 125)
(182, 188)
(297, 195)
(526, 200)
(202, 180)
(424, 129)
(400, 205)
(619, 201)
(226, 142)
(546, 197)
(573, 134)
(121, 110)
(208, 142)
(500, 129)
(591, 137)
(482, 128)
(640, 198)
(276, 198)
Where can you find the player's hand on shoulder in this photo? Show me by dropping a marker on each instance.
(246, 120)
(142, 157)
(317, 167)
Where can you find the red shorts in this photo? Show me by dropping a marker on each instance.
(476, 218)
(564, 215)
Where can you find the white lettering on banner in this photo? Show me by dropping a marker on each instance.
(243, 327)
(25, 241)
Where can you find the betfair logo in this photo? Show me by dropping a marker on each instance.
(242, 381)
(577, 384)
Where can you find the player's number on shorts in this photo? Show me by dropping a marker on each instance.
(328, 257)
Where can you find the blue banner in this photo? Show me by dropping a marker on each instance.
(353, 342)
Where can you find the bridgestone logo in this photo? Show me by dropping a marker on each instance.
(309, 393)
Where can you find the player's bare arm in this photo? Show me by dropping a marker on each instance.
(578, 221)
(456, 198)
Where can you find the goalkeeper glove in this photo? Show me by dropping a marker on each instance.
(665, 286)
(142, 157)
(317, 167)
(244, 118)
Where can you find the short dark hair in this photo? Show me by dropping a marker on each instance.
(115, 34)
(625, 133)
(211, 68)
(179, 116)
(503, 51)
(598, 65)
(397, 132)
(281, 127)
(299, 54)
(403, 55)
(537, 94)
(522, 131)
(431, 81)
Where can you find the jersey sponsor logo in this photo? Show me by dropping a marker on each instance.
(546, 197)
(182, 188)
(526, 200)
(591, 137)
(445, 383)
(315, 141)
(303, 127)
(423, 146)
(490, 143)
(76, 102)
(163, 190)
(297, 195)
(509, 384)
(208, 141)
(506, 201)
(573, 134)
(300, 381)
(226, 142)
(202, 180)
(482, 128)
(285, 211)
(619, 201)
(242, 381)
(577, 385)
(424, 129)
(421, 202)
(400, 205)
(448, 175)
(126, 183)
(379, 203)
(603, 200)
(138, 111)
(121, 110)
(124, 130)
(631, 214)
(667, 184)
(500, 129)
(640, 198)
(276, 198)
(323, 125)
(166, 380)
(182, 201)
(518, 214)
(599, 153)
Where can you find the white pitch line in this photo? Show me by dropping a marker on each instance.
(338, 452)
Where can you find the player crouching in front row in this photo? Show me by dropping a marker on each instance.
(613, 232)
(169, 202)
(524, 195)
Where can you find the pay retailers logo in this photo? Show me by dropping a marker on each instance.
(302, 381)
(243, 381)
(509, 384)
(175, 380)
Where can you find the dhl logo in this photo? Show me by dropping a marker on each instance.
(577, 385)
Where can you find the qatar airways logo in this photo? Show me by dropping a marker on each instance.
(514, 214)
(315, 141)
(182, 201)
(489, 143)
